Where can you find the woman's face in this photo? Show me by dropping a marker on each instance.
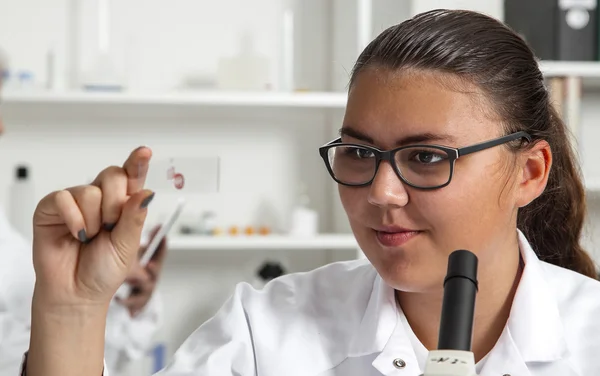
(408, 233)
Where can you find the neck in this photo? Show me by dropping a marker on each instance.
(497, 286)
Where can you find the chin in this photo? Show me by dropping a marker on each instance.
(404, 268)
(413, 279)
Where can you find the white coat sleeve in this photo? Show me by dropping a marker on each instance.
(130, 338)
(221, 346)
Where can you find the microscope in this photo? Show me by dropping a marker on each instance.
(454, 356)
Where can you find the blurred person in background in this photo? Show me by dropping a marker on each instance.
(131, 323)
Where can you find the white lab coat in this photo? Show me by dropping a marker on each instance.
(126, 338)
(342, 320)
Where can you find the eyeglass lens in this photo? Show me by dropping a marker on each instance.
(419, 166)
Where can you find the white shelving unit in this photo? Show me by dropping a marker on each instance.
(269, 242)
(570, 69)
(323, 100)
(206, 98)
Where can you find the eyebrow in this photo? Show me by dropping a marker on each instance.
(407, 140)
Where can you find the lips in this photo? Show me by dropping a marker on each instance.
(391, 236)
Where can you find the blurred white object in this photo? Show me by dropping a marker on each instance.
(4, 67)
(181, 175)
(450, 363)
(286, 66)
(22, 202)
(104, 75)
(248, 70)
(305, 221)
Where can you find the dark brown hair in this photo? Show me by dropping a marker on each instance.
(485, 52)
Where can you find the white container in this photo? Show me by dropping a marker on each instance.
(287, 47)
(304, 221)
(247, 71)
(22, 202)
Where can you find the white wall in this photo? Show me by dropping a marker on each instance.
(256, 147)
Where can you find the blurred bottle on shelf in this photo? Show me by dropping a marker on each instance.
(305, 221)
(22, 202)
(247, 70)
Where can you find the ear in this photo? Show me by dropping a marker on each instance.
(535, 164)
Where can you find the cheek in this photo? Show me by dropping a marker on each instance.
(466, 209)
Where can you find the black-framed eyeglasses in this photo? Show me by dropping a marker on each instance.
(419, 166)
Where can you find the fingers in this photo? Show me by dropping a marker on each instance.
(78, 208)
(113, 183)
(153, 269)
(127, 233)
(136, 168)
(89, 201)
(60, 207)
(117, 183)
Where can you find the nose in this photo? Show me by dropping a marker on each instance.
(387, 190)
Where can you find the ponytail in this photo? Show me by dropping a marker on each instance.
(553, 222)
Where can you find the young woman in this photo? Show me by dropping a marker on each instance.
(449, 142)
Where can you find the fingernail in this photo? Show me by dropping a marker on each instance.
(109, 226)
(83, 236)
(147, 201)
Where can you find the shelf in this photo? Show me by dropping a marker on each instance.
(270, 242)
(315, 100)
(204, 98)
(584, 69)
(592, 185)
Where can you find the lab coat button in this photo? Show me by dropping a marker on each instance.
(399, 363)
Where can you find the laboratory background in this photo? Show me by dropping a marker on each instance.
(237, 96)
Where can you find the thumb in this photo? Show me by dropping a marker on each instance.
(126, 235)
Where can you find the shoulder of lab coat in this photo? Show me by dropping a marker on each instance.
(577, 300)
(298, 324)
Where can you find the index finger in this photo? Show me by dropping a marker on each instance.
(136, 167)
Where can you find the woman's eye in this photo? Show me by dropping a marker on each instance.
(359, 153)
(364, 153)
(427, 157)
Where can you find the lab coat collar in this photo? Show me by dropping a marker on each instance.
(534, 323)
(534, 335)
(378, 322)
(534, 332)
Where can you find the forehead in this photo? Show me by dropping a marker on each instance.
(389, 106)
